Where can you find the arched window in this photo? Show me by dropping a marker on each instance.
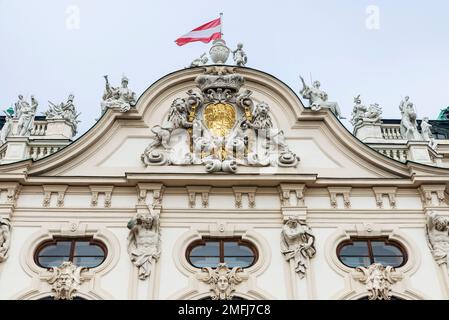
(84, 252)
(366, 251)
(209, 252)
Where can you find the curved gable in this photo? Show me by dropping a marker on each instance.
(113, 147)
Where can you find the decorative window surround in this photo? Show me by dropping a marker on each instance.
(433, 195)
(90, 287)
(106, 190)
(286, 190)
(354, 286)
(196, 288)
(344, 191)
(156, 188)
(249, 191)
(192, 191)
(60, 190)
(379, 193)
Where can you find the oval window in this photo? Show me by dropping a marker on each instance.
(83, 252)
(366, 251)
(235, 252)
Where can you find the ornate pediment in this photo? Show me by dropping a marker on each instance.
(219, 127)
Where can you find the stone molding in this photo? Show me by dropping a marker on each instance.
(97, 190)
(343, 191)
(60, 190)
(390, 192)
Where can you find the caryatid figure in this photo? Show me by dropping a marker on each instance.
(144, 242)
(297, 244)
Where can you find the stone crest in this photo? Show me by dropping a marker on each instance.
(218, 126)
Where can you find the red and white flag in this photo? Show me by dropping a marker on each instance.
(205, 33)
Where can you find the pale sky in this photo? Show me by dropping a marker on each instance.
(340, 42)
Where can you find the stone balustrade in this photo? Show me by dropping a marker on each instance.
(390, 132)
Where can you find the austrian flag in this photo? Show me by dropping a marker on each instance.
(205, 33)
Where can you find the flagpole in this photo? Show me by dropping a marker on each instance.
(221, 23)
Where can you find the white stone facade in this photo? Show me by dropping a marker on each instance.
(340, 188)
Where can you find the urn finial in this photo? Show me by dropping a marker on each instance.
(219, 52)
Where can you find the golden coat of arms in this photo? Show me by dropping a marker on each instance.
(219, 118)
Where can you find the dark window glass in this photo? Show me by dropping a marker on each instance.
(366, 251)
(81, 251)
(210, 252)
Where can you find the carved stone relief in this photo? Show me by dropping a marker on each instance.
(222, 280)
(297, 244)
(220, 128)
(65, 280)
(437, 230)
(378, 280)
(5, 238)
(144, 242)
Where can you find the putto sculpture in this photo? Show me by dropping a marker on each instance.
(5, 238)
(437, 230)
(361, 114)
(118, 97)
(239, 56)
(219, 127)
(201, 61)
(65, 280)
(318, 98)
(25, 112)
(144, 242)
(297, 244)
(409, 126)
(378, 280)
(222, 281)
(65, 111)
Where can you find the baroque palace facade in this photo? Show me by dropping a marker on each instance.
(219, 183)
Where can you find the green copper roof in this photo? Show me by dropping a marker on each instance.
(444, 114)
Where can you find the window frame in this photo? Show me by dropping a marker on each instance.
(73, 241)
(371, 256)
(222, 241)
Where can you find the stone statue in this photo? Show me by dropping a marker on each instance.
(358, 112)
(239, 56)
(25, 113)
(222, 281)
(65, 280)
(426, 132)
(318, 98)
(378, 280)
(119, 97)
(65, 111)
(438, 237)
(409, 126)
(201, 61)
(7, 128)
(177, 118)
(361, 114)
(5, 238)
(144, 242)
(297, 244)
